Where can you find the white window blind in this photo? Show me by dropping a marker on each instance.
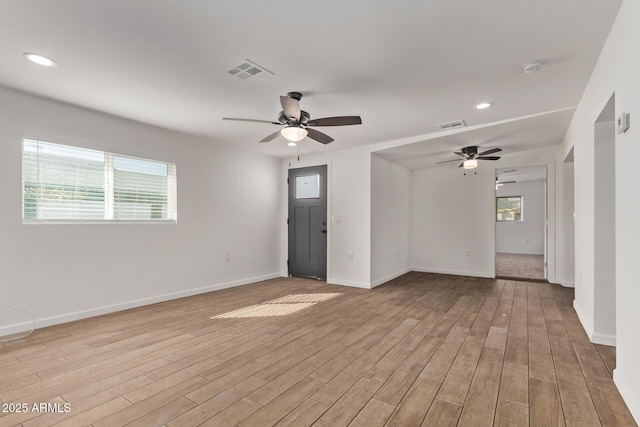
(67, 183)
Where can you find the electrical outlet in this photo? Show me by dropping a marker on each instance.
(350, 256)
(468, 252)
(227, 257)
(397, 254)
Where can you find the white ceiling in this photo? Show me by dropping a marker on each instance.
(404, 66)
(512, 136)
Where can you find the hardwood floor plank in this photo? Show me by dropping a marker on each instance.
(399, 383)
(90, 402)
(442, 414)
(234, 414)
(544, 403)
(167, 412)
(348, 406)
(334, 389)
(479, 407)
(304, 415)
(151, 404)
(509, 414)
(96, 413)
(213, 388)
(415, 404)
(113, 381)
(277, 408)
(375, 413)
(611, 409)
(218, 403)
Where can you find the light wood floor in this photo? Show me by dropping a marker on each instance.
(425, 349)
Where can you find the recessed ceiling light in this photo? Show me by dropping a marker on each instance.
(533, 66)
(40, 60)
(483, 105)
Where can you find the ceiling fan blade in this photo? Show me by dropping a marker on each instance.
(336, 121)
(459, 154)
(250, 120)
(505, 182)
(488, 158)
(493, 150)
(319, 136)
(291, 107)
(271, 137)
(448, 161)
(461, 165)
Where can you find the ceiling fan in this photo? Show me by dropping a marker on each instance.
(297, 123)
(471, 156)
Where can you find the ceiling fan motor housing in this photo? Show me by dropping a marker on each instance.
(470, 151)
(304, 118)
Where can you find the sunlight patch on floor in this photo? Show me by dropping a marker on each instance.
(279, 307)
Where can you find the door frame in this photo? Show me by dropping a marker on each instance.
(299, 164)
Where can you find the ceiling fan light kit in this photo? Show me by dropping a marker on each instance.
(298, 124)
(294, 133)
(470, 164)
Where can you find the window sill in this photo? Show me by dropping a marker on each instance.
(92, 222)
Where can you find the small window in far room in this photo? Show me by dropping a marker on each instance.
(509, 209)
(62, 183)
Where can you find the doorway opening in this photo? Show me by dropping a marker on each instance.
(521, 217)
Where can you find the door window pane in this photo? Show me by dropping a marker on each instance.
(308, 187)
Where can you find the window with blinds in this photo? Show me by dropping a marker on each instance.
(64, 183)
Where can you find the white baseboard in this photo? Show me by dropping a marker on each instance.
(389, 277)
(98, 311)
(594, 337)
(603, 339)
(453, 272)
(341, 282)
(564, 283)
(582, 319)
(519, 253)
(627, 396)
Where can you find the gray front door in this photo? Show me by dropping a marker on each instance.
(308, 222)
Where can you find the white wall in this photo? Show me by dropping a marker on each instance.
(390, 195)
(228, 202)
(451, 214)
(527, 236)
(616, 72)
(349, 194)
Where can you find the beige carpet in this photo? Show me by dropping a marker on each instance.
(520, 266)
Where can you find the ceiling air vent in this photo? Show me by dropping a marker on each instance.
(249, 69)
(452, 125)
